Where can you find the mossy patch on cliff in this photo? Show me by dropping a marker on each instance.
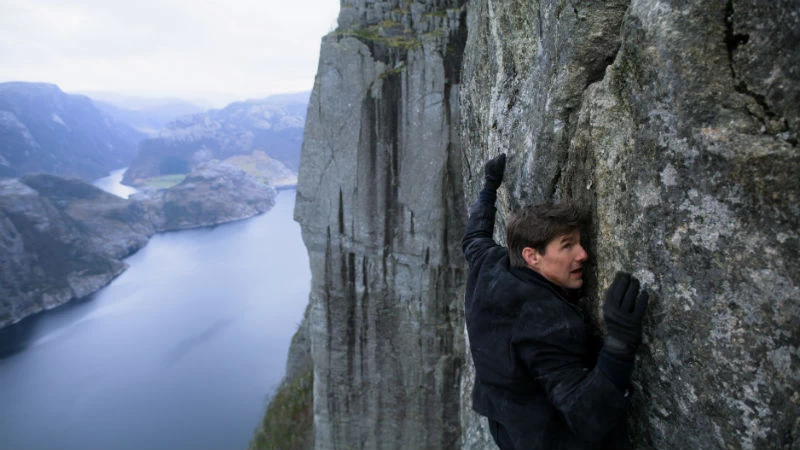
(289, 421)
(388, 33)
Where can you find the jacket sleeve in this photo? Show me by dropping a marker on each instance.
(552, 350)
(478, 240)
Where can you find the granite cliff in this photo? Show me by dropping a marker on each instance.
(674, 123)
(381, 209)
(63, 239)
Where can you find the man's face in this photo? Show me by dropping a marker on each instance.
(562, 261)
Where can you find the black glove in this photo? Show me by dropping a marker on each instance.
(493, 172)
(623, 312)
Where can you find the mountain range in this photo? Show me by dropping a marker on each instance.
(273, 126)
(147, 117)
(43, 129)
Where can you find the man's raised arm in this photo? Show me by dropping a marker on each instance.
(480, 226)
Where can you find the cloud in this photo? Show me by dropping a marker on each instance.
(239, 47)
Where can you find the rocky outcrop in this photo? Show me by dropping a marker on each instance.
(273, 125)
(381, 211)
(265, 169)
(42, 129)
(63, 239)
(214, 193)
(675, 125)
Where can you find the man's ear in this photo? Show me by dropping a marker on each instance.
(531, 256)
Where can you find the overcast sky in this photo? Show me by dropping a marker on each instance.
(231, 49)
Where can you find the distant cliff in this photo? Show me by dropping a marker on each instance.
(63, 239)
(42, 129)
(676, 125)
(272, 126)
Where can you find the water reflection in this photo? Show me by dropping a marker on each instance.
(113, 184)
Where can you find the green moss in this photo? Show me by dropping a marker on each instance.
(289, 421)
(439, 33)
(439, 13)
(390, 72)
(403, 42)
(165, 181)
(376, 33)
(389, 24)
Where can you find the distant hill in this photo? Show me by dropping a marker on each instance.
(273, 125)
(63, 238)
(43, 129)
(148, 117)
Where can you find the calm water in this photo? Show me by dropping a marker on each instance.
(179, 352)
(113, 183)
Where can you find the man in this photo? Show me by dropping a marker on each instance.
(536, 379)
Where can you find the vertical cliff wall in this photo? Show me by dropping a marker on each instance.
(381, 207)
(676, 124)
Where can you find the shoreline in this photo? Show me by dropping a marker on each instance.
(6, 324)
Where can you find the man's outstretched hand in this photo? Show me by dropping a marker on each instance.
(623, 312)
(493, 172)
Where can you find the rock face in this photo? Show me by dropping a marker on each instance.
(63, 239)
(42, 129)
(381, 210)
(675, 125)
(273, 125)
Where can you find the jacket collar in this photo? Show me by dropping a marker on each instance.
(532, 276)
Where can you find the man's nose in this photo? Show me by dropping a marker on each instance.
(582, 255)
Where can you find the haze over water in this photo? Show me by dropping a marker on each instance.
(179, 352)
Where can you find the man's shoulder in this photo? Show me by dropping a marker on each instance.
(514, 290)
(527, 282)
(493, 264)
(539, 299)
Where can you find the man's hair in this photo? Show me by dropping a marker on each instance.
(536, 225)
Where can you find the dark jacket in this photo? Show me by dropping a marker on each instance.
(534, 370)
